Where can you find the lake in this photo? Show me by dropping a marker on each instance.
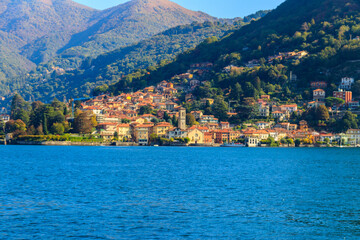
(179, 193)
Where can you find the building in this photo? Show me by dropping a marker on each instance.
(354, 104)
(263, 125)
(177, 133)
(208, 119)
(289, 108)
(252, 141)
(182, 118)
(5, 118)
(124, 131)
(344, 95)
(264, 110)
(107, 130)
(142, 133)
(353, 136)
(197, 114)
(303, 125)
(278, 115)
(196, 136)
(224, 125)
(161, 129)
(346, 83)
(318, 84)
(319, 95)
(315, 104)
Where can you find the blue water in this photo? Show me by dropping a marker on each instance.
(178, 193)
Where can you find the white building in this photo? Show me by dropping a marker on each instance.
(346, 83)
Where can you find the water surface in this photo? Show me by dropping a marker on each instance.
(178, 193)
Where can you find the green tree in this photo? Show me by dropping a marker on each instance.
(190, 120)
(332, 101)
(20, 109)
(13, 126)
(236, 92)
(322, 113)
(356, 88)
(220, 109)
(145, 110)
(57, 129)
(83, 123)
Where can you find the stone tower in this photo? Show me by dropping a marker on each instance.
(182, 118)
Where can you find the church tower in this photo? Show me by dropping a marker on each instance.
(182, 118)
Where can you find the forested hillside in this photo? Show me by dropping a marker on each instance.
(49, 80)
(34, 32)
(327, 30)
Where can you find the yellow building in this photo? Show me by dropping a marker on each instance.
(196, 136)
(161, 129)
(124, 130)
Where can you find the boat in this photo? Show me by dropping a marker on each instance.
(232, 145)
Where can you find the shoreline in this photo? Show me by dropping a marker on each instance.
(131, 144)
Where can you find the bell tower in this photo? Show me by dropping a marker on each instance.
(182, 118)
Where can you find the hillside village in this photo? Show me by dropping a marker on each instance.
(156, 115)
(122, 116)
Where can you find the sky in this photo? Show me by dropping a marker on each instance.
(216, 8)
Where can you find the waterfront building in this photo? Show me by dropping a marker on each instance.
(353, 136)
(196, 136)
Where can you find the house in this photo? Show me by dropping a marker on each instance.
(264, 110)
(346, 83)
(318, 84)
(263, 125)
(284, 125)
(318, 95)
(314, 104)
(353, 104)
(107, 130)
(323, 136)
(278, 115)
(303, 125)
(197, 114)
(224, 125)
(5, 118)
(177, 133)
(170, 106)
(289, 108)
(208, 119)
(353, 136)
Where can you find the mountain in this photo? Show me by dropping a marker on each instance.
(47, 81)
(31, 31)
(324, 28)
(128, 23)
(36, 31)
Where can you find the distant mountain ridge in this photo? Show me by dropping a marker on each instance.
(35, 31)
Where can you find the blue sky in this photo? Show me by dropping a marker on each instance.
(217, 8)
